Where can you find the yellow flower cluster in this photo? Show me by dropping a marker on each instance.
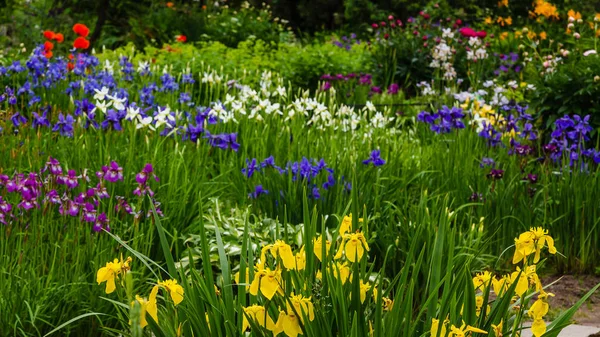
(524, 280)
(267, 281)
(462, 331)
(110, 272)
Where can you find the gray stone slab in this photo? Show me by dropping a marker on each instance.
(571, 331)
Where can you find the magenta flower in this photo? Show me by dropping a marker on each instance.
(113, 172)
(54, 166)
(71, 179)
(89, 213)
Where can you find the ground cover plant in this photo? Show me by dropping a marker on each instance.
(420, 178)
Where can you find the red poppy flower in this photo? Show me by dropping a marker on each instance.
(48, 54)
(48, 46)
(70, 66)
(58, 38)
(81, 43)
(81, 29)
(181, 38)
(48, 34)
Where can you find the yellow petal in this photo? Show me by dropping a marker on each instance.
(551, 247)
(103, 274)
(538, 327)
(269, 286)
(474, 329)
(110, 285)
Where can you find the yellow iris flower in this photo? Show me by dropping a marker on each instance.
(109, 273)
(267, 281)
(364, 288)
(532, 241)
(497, 329)
(174, 289)
(300, 259)
(302, 305)
(341, 271)
(287, 323)
(435, 323)
(463, 330)
(148, 306)
(284, 251)
(354, 245)
(482, 279)
(346, 225)
(260, 316)
(318, 247)
(538, 310)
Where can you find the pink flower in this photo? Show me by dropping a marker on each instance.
(467, 32)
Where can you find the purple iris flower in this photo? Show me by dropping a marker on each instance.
(142, 177)
(250, 168)
(113, 118)
(487, 162)
(53, 197)
(69, 208)
(89, 213)
(40, 120)
(375, 159)
(393, 89)
(64, 125)
(223, 141)
(83, 107)
(258, 190)
(54, 166)
(316, 193)
(5, 207)
(18, 119)
(70, 180)
(101, 221)
(496, 174)
(113, 172)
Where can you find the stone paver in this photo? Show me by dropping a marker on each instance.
(571, 331)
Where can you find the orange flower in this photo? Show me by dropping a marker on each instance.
(48, 54)
(181, 38)
(48, 46)
(81, 30)
(58, 38)
(543, 35)
(81, 43)
(170, 4)
(70, 66)
(48, 34)
(575, 15)
(203, 7)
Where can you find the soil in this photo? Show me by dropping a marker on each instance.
(569, 289)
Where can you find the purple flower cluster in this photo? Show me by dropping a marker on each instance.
(84, 80)
(347, 42)
(569, 139)
(72, 194)
(508, 63)
(517, 122)
(307, 171)
(444, 121)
